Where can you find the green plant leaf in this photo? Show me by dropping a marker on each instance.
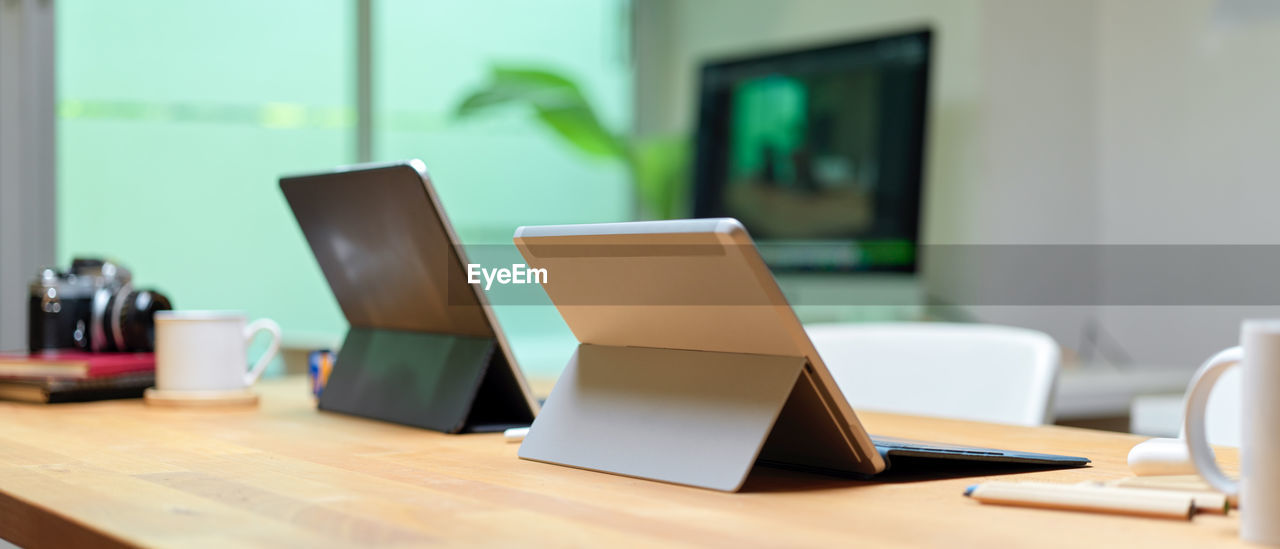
(660, 169)
(582, 130)
(558, 102)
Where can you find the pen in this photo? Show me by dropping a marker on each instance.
(1122, 501)
(1184, 483)
(1205, 499)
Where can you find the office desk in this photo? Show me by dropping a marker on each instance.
(283, 474)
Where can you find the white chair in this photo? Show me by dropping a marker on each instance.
(977, 372)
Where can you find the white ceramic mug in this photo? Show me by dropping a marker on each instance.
(1259, 484)
(208, 350)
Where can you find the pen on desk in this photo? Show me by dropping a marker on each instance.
(1183, 483)
(1206, 500)
(1122, 501)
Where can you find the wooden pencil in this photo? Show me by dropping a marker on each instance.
(1097, 499)
(1206, 500)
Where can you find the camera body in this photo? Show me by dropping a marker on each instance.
(91, 307)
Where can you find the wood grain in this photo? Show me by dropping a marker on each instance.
(283, 474)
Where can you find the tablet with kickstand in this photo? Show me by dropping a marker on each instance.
(424, 348)
(692, 367)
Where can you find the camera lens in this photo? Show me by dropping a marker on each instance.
(137, 319)
(127, 320)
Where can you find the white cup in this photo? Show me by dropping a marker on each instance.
(1259, 484)
(208, 350)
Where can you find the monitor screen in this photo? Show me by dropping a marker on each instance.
(819, 152)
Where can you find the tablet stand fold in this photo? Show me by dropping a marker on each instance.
(688, 417)
(442, 382)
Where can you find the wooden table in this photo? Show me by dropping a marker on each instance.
(284, 474)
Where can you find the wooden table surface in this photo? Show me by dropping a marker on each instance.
(284, 474)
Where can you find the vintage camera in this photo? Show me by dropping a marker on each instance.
(91, 307)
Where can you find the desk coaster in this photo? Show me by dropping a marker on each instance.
(200, 399)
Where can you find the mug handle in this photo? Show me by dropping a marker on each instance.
(261, 325)
(1193, 421)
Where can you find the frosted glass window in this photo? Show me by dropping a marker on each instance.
(175, 120)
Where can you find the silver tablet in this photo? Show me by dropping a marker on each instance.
(694, 285)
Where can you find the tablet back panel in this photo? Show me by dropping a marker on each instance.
(386, 251)
(690, 285)
(676, 291)
(422, 349)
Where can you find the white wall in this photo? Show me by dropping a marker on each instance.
(1033, 141)
(1189, 123)
(1188, 134)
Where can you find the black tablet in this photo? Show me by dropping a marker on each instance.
(424, 348)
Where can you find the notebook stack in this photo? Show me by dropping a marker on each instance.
(72, 376)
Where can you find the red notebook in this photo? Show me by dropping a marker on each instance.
(74, 364)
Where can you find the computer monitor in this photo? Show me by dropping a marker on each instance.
(819, 152)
